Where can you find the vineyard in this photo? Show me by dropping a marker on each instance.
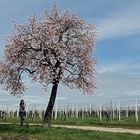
(102, 111)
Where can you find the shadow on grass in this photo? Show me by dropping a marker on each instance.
(14, 138)
(18, 129)
(16, 132)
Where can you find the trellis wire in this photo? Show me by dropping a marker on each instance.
(103, 110)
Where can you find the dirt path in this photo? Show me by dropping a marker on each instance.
(105, 129)
(96, 128)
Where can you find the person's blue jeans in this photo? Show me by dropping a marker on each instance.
(21, 114)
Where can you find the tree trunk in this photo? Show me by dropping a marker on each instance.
(48, 112)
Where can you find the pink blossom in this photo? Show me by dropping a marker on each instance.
(59, 47)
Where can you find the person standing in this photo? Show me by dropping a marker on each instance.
(22, 111)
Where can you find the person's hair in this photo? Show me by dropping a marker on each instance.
(21, 102)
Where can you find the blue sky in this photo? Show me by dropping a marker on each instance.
(117, 47)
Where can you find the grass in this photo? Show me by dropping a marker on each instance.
(124, 122)
(15, 132)
(17, 120)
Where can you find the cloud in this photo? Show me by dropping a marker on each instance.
(40, 99)
(123, 23)
(118, 27)
(119, 67)
(3, 99)
(115, 86)
(110, 68)
(127, 66)
(133, 92)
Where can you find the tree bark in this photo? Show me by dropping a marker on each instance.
(48, 112)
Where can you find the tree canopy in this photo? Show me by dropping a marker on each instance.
(56, 48)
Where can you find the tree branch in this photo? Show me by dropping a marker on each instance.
(72, 73)
(26, 69)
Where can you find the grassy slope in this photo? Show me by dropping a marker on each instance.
(37, 133)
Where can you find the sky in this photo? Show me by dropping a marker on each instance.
(117, 48)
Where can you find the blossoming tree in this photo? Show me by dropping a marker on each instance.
(57, 48)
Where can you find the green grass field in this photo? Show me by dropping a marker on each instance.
(124, 123)
(15, 132)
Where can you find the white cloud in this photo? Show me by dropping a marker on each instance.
(3, 99)
(125, 66)
(118, 27)
(122, 23)
(133, 92)
(40, 99)
(118, 86)
(119, 67)
(109, 69)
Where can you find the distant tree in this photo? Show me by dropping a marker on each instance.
(57, 48)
